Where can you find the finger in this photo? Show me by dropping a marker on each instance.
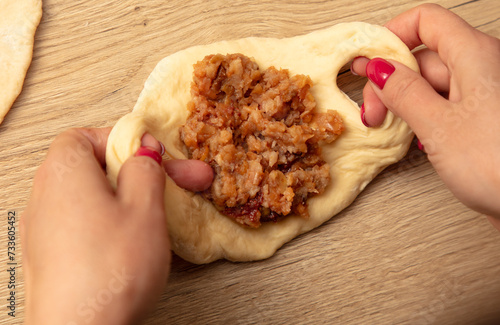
(358, 66)
(373, 108)
(149, 141)
(433, 70)
(86, 141)
(75, 160)
(141, 180)
(98, 137)
(407, 94)
(193, 175)
(440, 30)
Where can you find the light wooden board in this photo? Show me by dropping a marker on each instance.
(405, 252)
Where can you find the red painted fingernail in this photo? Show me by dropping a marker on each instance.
(420, 145)
(363, 119)
(162, 148)
(378, 71)
(350, 68)
(149, 152)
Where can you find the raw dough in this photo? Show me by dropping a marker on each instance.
(198, 232)
(18, 22)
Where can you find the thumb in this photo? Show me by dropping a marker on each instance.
(141, 180)
(193, 175)
(407, 94)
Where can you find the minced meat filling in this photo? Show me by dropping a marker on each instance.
(260, 133)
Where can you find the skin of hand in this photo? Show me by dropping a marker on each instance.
(452, 106)
(93, 255)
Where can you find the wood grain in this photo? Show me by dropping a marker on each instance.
(405, 252)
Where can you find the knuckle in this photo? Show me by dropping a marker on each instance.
(70, 145)
(430, 7)
(69, 133)
(68, 137)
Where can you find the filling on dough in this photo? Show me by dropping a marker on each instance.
(260, 132)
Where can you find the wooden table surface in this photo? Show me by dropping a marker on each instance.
(405, 252)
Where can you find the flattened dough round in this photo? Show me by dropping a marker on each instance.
(198, 232)
(18, 22)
